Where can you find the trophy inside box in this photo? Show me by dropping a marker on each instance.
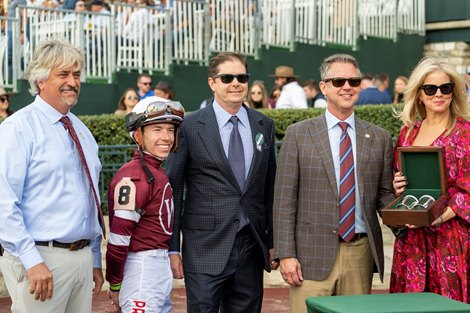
(424, 198)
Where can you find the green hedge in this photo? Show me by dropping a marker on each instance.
(109, 129)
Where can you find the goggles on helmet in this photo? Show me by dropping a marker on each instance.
(156, 112)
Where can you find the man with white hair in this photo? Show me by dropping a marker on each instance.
(50, 212)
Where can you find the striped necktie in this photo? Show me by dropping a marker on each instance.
(68, 125)
(347, 189)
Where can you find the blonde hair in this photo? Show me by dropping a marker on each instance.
(414, 108)
(48, 55)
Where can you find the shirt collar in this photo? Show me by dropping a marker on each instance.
(332, 121)
(51, 114)
(223, 117)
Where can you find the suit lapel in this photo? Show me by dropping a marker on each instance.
(363, 147)
(319, 132)
(256, 128)
(210, 136)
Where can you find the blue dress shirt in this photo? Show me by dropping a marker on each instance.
(334, 134)
(45, 194)
(244, 128)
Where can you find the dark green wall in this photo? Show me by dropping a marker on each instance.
(190, 81)
(443, 11)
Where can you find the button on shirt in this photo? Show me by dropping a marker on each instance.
(334, 135)
(225, 129)
(45, 192)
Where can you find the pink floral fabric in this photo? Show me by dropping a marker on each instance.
(437, 258)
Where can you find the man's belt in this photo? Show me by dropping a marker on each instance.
(72, 246)
(356, 237)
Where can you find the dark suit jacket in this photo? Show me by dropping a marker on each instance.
(306, 205)
(209, 215)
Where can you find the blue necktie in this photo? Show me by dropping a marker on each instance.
(236, 156)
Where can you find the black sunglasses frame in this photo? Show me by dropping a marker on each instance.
(228, 78)
(431, 90)
(4, 99)
(339, 82)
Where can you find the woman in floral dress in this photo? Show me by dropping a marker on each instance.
(437, 258)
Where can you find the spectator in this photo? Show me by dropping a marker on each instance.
(383, 83)
(436, 258)
(5, 103)
(399, 89)
(127, 102)
(371, 94)
(273, 96)
(257, 96)
(144, 86)
(80, 7)
(366, 81)
(313, 94)
(163, 90)
(467, 82)
(292, 95)
(100, 21)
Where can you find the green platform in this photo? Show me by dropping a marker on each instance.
(386, 303)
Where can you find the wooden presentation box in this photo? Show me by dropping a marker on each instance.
(424, 168)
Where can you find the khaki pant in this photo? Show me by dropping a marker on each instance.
(351, 275)
(72, 273)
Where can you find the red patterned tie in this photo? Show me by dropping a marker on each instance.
(68, 125)
(347, 189)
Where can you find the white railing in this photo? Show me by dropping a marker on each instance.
(411, 17)
(91, 31)
(9, 56)
(337, 23)
(151, 38)
(234, 26)
(378, 18)
(306, 21)
(143, 38)
(189, 27)
(278, 23)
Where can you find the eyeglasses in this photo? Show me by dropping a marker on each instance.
(4, 99)
(132, 98)
(339, 81)
(228, 78)
(430, 90)
(410, 202)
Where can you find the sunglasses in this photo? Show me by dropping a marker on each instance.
(228, 78)
(430, 90)
(132, 98)
(4, 99)
(339, 82)
(149, 83)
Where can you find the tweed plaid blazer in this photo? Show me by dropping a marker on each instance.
(306, 200)
(208, 215)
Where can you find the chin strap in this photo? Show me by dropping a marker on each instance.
(144, 166)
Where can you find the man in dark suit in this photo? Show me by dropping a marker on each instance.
(335, 174)
(226, 161)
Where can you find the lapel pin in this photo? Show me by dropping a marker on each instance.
(259, 139)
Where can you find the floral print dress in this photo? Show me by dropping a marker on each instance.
(437, 258)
